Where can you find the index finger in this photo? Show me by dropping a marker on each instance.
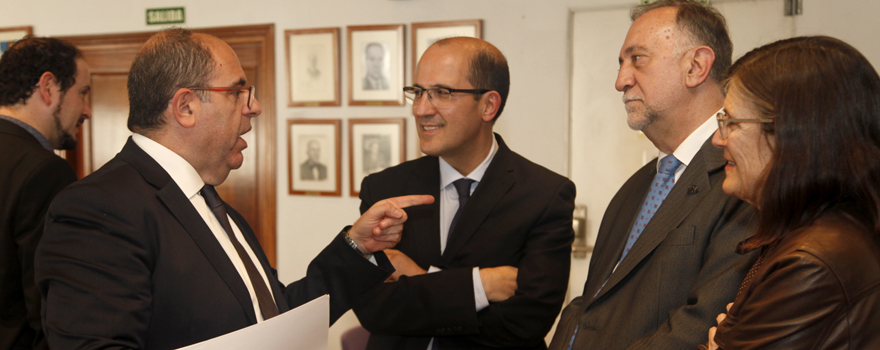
(408, 201)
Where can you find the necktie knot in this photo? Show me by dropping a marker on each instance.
(669, 164)
(212, 198)
(463, 187)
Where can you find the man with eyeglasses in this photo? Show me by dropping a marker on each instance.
(486, 266)
(665, 261)
(143, 253)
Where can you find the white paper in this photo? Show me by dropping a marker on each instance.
(303, 328)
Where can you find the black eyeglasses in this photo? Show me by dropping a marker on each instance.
(251, 91)
(439, 96)
(724, 122)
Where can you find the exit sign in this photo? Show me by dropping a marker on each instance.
(168, 15)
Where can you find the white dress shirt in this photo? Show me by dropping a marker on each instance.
(189, 181)
(448, 207)
(691, 145)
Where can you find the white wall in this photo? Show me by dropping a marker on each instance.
(533, 34)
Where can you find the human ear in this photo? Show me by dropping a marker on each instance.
(490, 109)
(48, 88)
(184, 106)
(700, 61)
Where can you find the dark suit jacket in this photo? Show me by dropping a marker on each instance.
(520, 215)
(678, 276)
(127, 262)
(30, 176)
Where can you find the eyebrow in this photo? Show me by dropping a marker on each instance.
(240, 82)
(435, 85)
(630, 49)
(86, 89)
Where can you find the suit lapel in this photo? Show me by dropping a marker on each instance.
(424, 222)
(606, 259)
(181, 208)
(687, 194)
(496, 182)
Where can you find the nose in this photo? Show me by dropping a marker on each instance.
(625, 79)
(717, 141)
(254, 111)
(423, 107)
(87, 111)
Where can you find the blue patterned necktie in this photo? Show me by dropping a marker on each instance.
(660, 187)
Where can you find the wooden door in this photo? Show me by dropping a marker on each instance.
(250, 189)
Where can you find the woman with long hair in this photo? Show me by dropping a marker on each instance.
(800, 130)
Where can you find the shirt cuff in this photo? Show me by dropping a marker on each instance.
(479, 294)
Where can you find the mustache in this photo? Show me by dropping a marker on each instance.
(626, 98)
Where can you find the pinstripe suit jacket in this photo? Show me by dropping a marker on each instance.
(678, 276)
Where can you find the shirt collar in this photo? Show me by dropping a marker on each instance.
(183, 173)
(31, 130)
(448, 174)
(688, 149)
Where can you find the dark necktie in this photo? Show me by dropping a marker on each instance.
(463, 186)
(267, 304)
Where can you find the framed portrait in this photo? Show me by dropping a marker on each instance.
(375, 65)
(314, 157)
(8, 36)
(313, 67)
(374, 144)
(427, 33)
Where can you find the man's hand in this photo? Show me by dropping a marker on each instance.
(499, 283)
(403, 265)
(380, 226)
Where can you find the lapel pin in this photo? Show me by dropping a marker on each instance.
(692, 189)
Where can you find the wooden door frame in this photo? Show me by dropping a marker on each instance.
(264, 34)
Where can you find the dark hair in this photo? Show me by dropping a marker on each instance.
(703, 24)
(488, 70)
(170, 60)
(825, 101)
(24, 63)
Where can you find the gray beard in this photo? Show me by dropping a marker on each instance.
(640, 124)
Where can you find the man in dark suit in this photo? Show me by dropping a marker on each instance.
(657, 281)
(143, 253)
(43, 100)
(457, 284)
